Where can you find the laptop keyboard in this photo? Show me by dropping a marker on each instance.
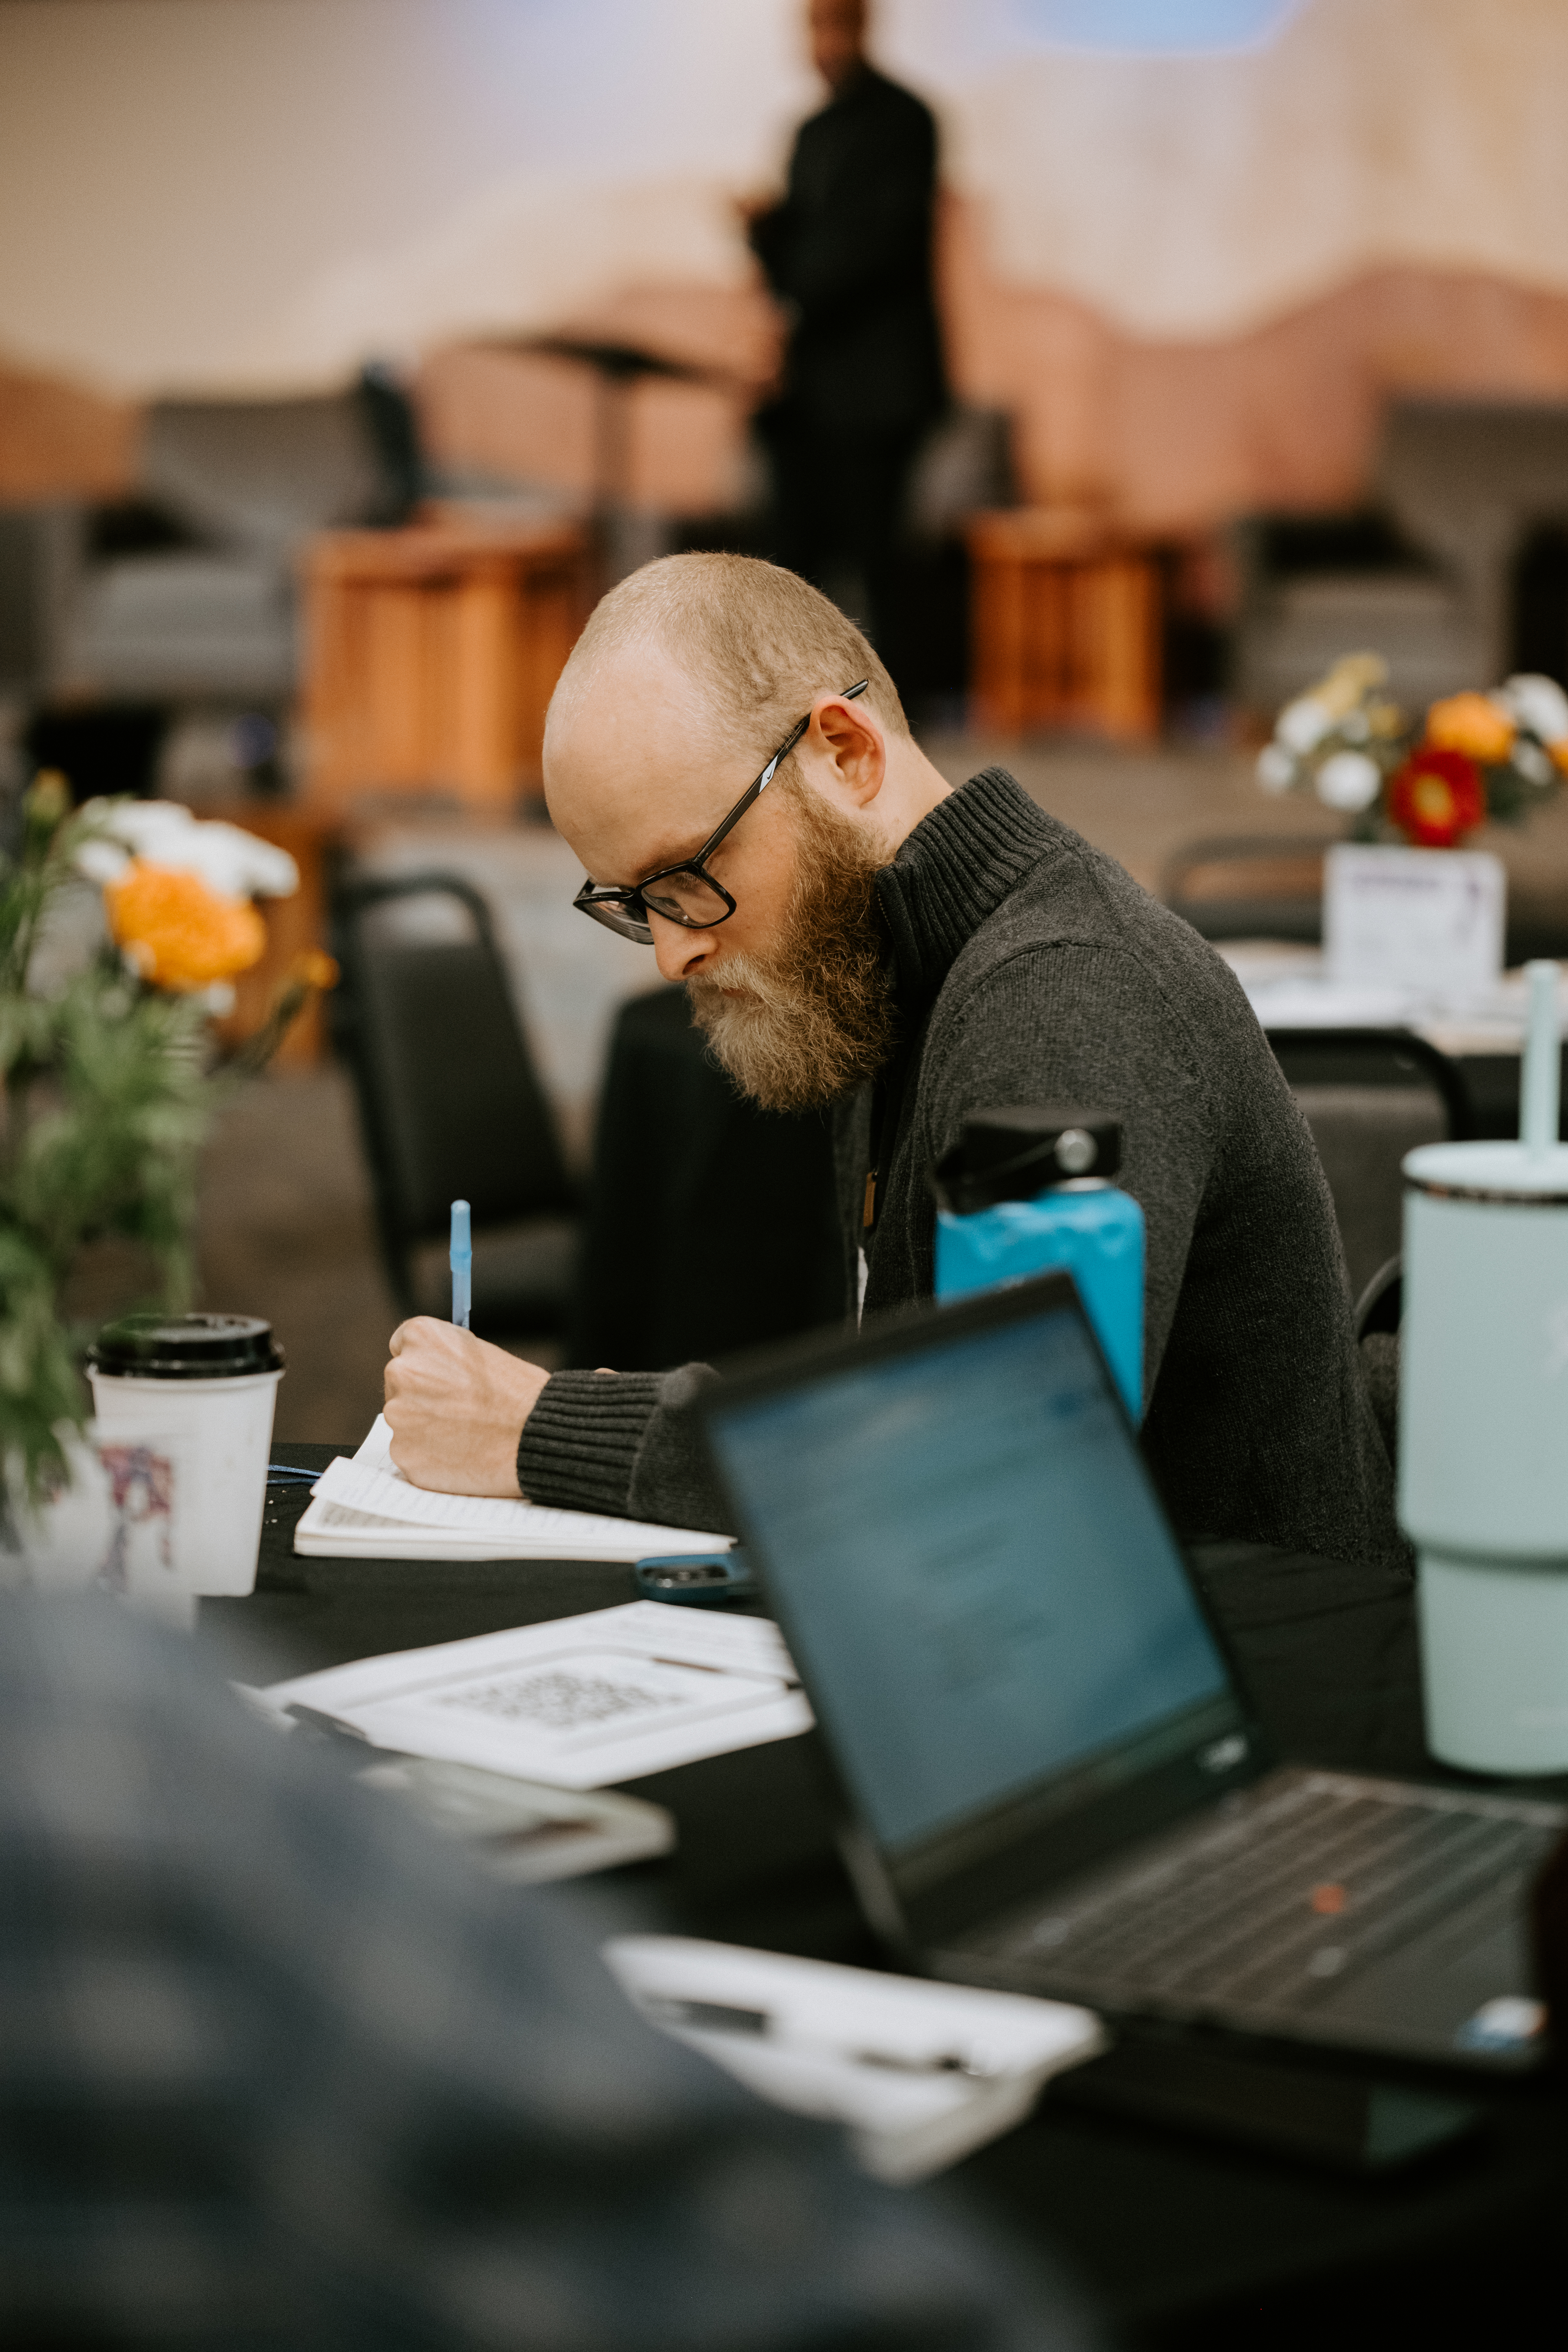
(1284, 1894)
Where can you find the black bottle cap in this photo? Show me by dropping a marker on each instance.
(186, 1348)
(1012, 1154)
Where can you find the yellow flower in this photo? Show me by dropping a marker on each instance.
(179, 932)
(1352, 676)
(1471, 723)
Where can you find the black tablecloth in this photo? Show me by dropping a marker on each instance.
(1182, 2241)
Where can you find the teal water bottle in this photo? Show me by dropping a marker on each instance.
(1025, 1191)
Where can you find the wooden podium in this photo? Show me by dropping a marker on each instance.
(1066, 626)
(431, 654)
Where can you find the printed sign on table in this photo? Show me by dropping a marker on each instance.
(1430, 921)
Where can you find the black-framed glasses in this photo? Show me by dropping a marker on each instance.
(686, 894)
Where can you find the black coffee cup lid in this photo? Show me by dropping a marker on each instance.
(1013, 1153)
(186, 1348)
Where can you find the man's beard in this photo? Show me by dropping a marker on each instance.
(814, 1018)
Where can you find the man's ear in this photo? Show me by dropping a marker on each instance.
(853, 740)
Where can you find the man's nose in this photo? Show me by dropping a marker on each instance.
(680, 953)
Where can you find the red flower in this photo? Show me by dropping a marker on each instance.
(1436, 797)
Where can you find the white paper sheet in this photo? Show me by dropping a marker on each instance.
(921, 2073)
(580, 1702)
(1288, 987)
(1428, 920)
(367, 1508)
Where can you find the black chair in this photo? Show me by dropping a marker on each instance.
(450, 1105)
(1378, 1312)
(1259, 885)
(1381, 1307)
(711, 1224)
(1370, 1096)
(1249, 887)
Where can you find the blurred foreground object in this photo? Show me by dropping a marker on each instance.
(106, 1098)
(1473, 756)
(431, 654)
(319, 2082)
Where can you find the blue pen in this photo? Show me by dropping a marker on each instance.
(462, 1256)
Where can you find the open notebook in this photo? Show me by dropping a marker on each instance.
(366, 1509)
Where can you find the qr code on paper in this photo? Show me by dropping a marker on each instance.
(555, 1699)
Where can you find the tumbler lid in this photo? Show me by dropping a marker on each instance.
(1010, 1154)
(186, 1348)
(1490, 1171)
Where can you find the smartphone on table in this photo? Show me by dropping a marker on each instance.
(697, 1579)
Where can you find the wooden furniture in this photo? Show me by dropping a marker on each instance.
(310, 835)
(431, 654)
(1064, 626)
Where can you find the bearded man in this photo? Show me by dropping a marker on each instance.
(854, 933)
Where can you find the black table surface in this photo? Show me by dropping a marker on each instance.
(1180, 2240)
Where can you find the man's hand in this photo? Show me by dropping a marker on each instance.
(457, 1406)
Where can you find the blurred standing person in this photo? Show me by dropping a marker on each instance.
(849, 252)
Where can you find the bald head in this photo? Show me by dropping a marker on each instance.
(689, 676)
(754, 643)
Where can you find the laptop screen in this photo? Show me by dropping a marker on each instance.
(977, 1582)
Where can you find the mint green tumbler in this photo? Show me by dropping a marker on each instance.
(1483, 1427)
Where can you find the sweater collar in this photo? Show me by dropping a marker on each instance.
(956, 867)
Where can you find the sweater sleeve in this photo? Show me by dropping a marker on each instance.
(625, 1443)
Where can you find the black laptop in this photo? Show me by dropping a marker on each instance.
(1052, 1779)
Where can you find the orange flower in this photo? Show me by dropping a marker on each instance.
(1473, 724)
(313, 968)
(1436, 797)
(179, 933)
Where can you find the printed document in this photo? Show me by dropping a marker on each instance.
(366, 1509)
(580, 1702)
(921, 2072)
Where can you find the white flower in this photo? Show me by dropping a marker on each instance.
(1276, 768)
(1350, 781)
(235, 863)
(1538, 703)
(1532, 762)
(1302, 724)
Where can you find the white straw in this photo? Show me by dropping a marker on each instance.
(1543, 1066)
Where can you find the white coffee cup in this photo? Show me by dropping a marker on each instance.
(184, 1411)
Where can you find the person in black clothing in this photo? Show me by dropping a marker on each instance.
(848, 251)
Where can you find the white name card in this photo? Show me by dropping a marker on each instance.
(1429, 920)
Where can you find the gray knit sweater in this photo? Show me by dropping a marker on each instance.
(1029, 968)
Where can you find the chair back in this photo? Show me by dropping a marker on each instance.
(1370, 1096)
(1249, 887)
(713, 1226)
(261, 475)
(450, 1103)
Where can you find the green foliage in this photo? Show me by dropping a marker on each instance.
(105, 1106)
